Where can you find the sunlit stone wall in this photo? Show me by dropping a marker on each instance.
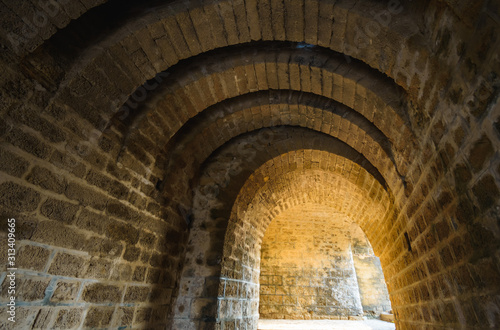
(308, 268)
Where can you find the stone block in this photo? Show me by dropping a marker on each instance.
(58, 234)
(32, 257)
(68, 318)
(113, 187)
(123, 316)
(89, 220)
(29, 143)
(480, 152)
(486, 192)
(99, 317)
(31, 118)
(65, 291)
(102, 293)
(123, 232)
(44, 318)
(145, 256)
(28, 288)
(98, 268)
(121, 272)
(96, 159)
(59, 210)
(139, 274)
(25, 317)
(136, 294)
(12, 164)
(25, 227)
(137, 201)
(142, 315)
(462, 177)
(18, 198)
(86, 196)
(66, 161)
(153, 275)
(147, 239)
(131, 253)
(103, 247)
(65, 264)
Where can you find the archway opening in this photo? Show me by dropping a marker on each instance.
(317, 264)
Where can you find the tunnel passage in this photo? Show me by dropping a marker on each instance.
(317, 264)
(230, 258)
(116, 116)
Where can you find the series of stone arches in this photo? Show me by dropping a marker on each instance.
(153, 142)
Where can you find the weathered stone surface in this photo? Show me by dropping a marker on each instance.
(58, 234)
(46, 179)
(486, 192)
(307, 268)
(480, 152)
(92, 221)
(32, 257)
(12, 164)
(121, 272)
(115, 188)
(86, 196)
(25, 318)
(131, 253)
(102, 293)
(122, 231)
(139, 274)
(28, 288)
(68, 265)
(44, 318)
(103, 247)
(29, 143)
(99, 317)
(18, 198)
(65, 291)
(59, 210)
(123, 316)
(136, 294)
(68, 318)
(142, 315)
(68, 162)
(98, 268)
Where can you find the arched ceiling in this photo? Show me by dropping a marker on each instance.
(156, 65)
(146, 76)
(252, 178)
(165, 81)
(270, 103)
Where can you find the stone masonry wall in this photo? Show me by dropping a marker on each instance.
(371, 282)
(307, 267)
(95, 245)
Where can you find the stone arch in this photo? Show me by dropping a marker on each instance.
(92, 80)
(241, 257)
(186, 165)
(164, 108)
(215, 203)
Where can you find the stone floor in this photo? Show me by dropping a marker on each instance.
(325, 325)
